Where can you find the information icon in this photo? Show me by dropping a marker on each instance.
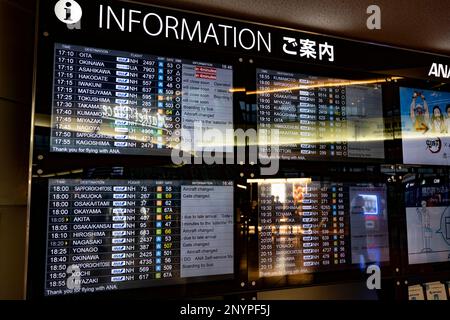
(68, 11)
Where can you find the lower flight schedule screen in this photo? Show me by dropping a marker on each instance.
(115, 102)
(119, 234)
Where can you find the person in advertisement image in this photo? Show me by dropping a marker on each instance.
(425, 126)
(425, 221)
(447, 119)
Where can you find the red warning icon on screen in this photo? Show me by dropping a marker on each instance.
(206, 73)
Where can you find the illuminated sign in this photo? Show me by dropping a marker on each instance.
(439, 70)
(156, 23)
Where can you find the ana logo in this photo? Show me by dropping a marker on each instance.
(434, 145)
(68, 11)
(439, 70)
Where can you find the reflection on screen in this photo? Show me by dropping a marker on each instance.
(368, 224)
(425, 126)
(428, 219)
(122, 234)
(319, 121)
(311, 226)
(115, 102)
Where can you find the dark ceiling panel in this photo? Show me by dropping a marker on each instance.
(416, 24)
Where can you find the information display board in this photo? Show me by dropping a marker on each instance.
(320, 118)
(118, 234)
(115, 102)
(129, 81)
(311, 226)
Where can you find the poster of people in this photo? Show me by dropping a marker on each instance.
(425, 126)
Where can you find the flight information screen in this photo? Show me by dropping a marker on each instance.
(119, 234)
(320, 118)
(311, 226)
(115, 102)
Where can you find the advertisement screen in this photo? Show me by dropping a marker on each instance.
(425, 126)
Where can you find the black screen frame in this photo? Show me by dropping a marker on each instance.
(349, 272)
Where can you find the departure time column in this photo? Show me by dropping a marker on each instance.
(267, 221)
(64, 96)
(59, 235)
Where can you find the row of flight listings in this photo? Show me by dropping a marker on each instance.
(118, 234)
(115, 102)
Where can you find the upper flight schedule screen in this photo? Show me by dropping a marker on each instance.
(319, 120)
(115, 102)
(312, 226)
(119, 234)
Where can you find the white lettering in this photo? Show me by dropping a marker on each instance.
(160, 24)
(131, 21)
(439, 70)
(211, 32)
(120, 24)
(225, 33)
(197, 30)
(100, 20)
(252, 36)
(172, 27)
(267, 42)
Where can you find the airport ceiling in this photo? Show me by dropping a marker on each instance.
(416, 24)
